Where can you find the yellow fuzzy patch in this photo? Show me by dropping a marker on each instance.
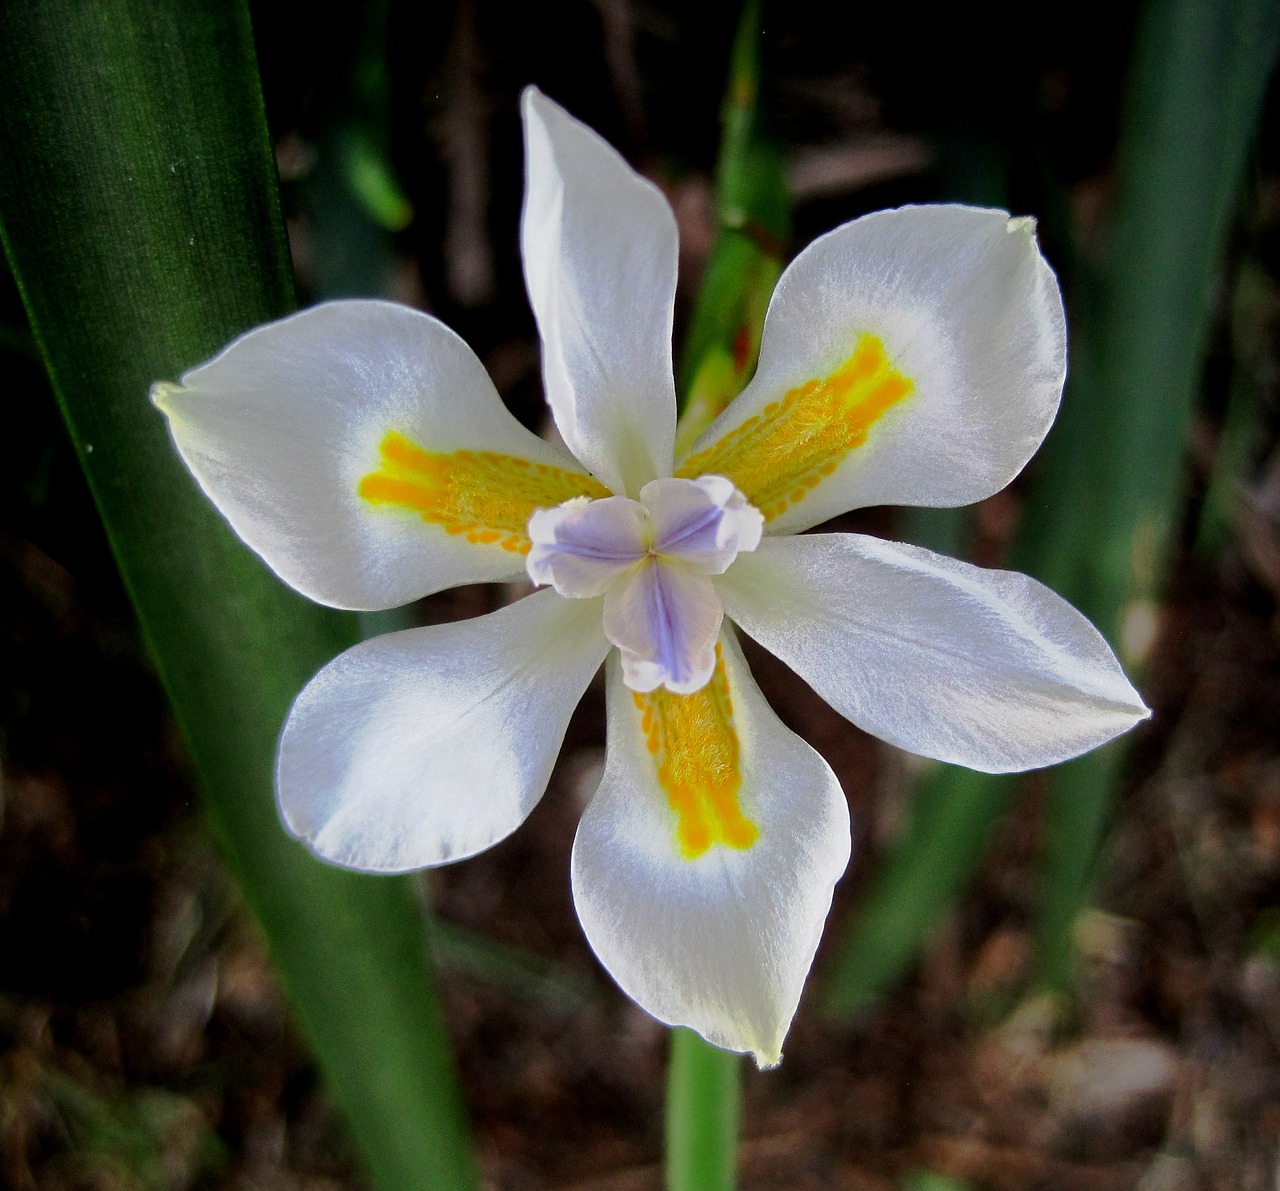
(486, 496)
(779, 455)
(694, 746)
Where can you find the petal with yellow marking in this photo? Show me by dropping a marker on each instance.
(983, 668)
(778, 456)
(704, 864)
(486, 497)
(910, 357)
(694, 746)
(362, 451)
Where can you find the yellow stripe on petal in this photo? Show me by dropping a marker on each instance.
(694, 747)
(776, 457)
(486, 496)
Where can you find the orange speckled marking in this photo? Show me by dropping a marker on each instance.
(695, 748)
(777, 456)
(487, 497)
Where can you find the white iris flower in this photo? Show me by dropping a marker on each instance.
(910, 357)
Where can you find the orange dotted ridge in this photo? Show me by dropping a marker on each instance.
(486, 496)
(776, 457)
(692, 741)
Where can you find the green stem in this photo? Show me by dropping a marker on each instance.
(704, 1091)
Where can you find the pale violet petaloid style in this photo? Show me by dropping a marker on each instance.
(913, 356)
(652, 560)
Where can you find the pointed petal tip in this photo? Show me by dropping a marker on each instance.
(161, 394)
(766, 1056)
(538, 107)
(765, 1053)
(1127, 699)
(532, 95)
(1136, 704)
(767, 1060)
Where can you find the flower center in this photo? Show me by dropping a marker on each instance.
(652, 560)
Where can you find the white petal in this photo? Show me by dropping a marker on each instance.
(722, 942)
(429, 745)
(583, 546)
(703, 522)
(599, 246)
(665, 620)
(988, 669)
(968, 312)
(281, 428)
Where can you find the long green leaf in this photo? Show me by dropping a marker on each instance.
(139, 211)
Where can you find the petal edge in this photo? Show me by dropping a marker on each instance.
(599, 249)
(722, 943)
(429, 745)
(969, 317)
(988, 669)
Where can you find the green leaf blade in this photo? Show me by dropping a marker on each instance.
(138, 205)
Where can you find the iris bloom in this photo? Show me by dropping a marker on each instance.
(910, 357)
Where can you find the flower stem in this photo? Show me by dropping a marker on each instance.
(704, 1086)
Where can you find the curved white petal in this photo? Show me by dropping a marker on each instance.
(432, 744)
(283, 425)
(967, 311)
(583, 546)
(665, 619)
(720, 943)
(599, 247)
(988, 669)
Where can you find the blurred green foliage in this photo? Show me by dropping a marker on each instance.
(1109, 485)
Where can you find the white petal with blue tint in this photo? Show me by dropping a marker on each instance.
(599, 248)
(282, 425)
(988, 669)
(720, 943)
(651, 560)
(581, 547)
(705, 522)
(967, 310)
(664, 619)
(429, 745)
